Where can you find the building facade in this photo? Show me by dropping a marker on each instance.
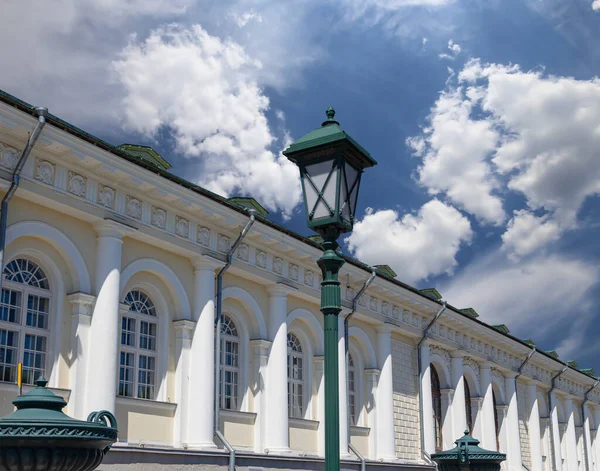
(109, 291)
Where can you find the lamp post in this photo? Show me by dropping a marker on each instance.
(331, 165)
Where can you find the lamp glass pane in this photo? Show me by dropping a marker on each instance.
(353, 177)
(320, 175)
(311, 194)
(344, 203)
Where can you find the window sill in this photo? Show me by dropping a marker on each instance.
(238, 417)
(135, 402)
(303, 423)
(359, 431)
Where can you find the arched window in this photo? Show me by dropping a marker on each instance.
(496, 421)
(468, 406)
(295, 362)
(24, 313)
(137, 364)
(351, 390)
(230, 364)
(436, 395)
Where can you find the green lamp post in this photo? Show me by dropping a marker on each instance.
(468, 456)
(331, 165)
(39, 437)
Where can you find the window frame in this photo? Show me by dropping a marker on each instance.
(21, 328)
(296, 409)
(234, 338)
(137, 351)
(468, 407)
(353, 411)
(436, 399)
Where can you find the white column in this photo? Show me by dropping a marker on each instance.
(343, 388)
(511, 428)
(448, 438)
(319, 389)
(101, 383)
(386, 449)
(572, 462)
(596, 438)
(202, 355)
(488, 438)
(81, 319)
(556, 449)
(459, 411)
(427, 401)
(184, 332)
(372, 375)
(502, 423)
(587, 438)
(277, 439)
(533, 424)
(260, 349)
(477, 414)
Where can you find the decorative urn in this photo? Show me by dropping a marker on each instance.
(468, 456)
(38, 436)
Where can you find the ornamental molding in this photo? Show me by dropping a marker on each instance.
(223, 243)
(182, 227)
(309, 278)
(374, 303)
(44, 172)
(159, 217)
(261, 258)
(9, 156)
(243, 252)
(58, 431)
(442, 353)
(106, 196)
(294, 271)
(472, 365)
(499, 377)
(278, 265)
(133, 207)
(203, 236)
(77, 184)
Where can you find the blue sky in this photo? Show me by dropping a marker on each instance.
(484, 117)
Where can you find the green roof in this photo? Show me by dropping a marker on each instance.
(529, 342)
(147, 153)
(501, 328)
(330, 132)
(552, 353)
(469, 311)
(249, 203)
(385, 270)
(571, 363)
(317, 239)
(431, 293)
(588, 371)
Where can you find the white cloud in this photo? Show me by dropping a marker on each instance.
(416, 246)
(243, 19)
(454, 49)
(532, 298)
(425, 41)
(526, 233)
(596, 5)
(455, 150)
(204, 91)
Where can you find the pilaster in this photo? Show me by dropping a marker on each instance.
(372, 376)
(184, 332)
(260, 352)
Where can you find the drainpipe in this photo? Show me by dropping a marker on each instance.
(585, 447)
(218, 322)
(420, 367)
(15, 180)
(363, 461)
(551, 407)
(533, 350)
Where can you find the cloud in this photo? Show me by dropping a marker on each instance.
(417, 245)
(243, 19)
(526, 233)
(454, 49)
(455, 151)
(532, 298)
(596, 5)
(204, 91)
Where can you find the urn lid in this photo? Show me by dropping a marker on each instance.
(467, 450)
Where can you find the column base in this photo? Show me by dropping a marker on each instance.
(200, 446)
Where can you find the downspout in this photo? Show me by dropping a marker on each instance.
(15, 180)
(550, 408)
(218, 322)
(585, 448)
(420, 367)
(533, 350)
(363, 461)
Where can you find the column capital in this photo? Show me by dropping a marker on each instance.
(123, 308)
(372, 373)
(261, 347)
(184, 329)
(280, 290)
(112, 228)
(510, 374)
(447, 392)
(477, 401)
(207, 263)
(485, 364)
(457, 354)
(384, 328)
(81, 299)
(319, 361)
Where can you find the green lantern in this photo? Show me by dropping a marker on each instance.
(331, 165)
(38, 436)
(468, 456)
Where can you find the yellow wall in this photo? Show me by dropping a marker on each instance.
(303, 436)
(141, 423)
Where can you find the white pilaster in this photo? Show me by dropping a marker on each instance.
(572, 461)
(587, 438)
(459, 411)
(478, 419)
(343, 388)
(488, 437)
(448, 438)
(184, 332)
(202, 355)
(427, 401)
(533, 424)
(319, 389)
(81, 319)
(502, 412)
(556, 448)
(260, 350)
(277, 434)
(511, 429)
(372, 376)
(386, 449)
(596, 438)
(101, 383)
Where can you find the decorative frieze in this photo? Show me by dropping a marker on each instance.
(133, 207)
(77, 184)
(203, 236)
(442, 353)
(309, 278)
(373, 304)
(278, 265)
(499, 377)
(8, 156)
(182, 227)
(294, 271)
(472, 364)
(385, 308)
(159, 217)
(223, 243)
(44, 172)
(243, 252)
(106, 196)
(261, 258)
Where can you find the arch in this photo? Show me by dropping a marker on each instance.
(313, 326)
(442, 370)
(246, 299)
(542, 405)
(80, 276)
(358, 359)
(472, 379)
(436, 396)
(498, 391)
(166, 275)
(366, 347)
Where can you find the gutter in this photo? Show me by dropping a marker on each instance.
(363, 461)
(218, 323)
(551, 408)
(16, 177)
(420, 367)
(533, 350)
(585, 443)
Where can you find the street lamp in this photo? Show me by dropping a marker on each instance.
(331, 165)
